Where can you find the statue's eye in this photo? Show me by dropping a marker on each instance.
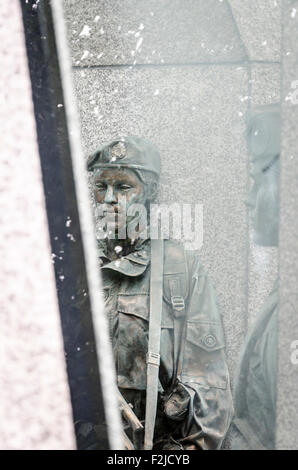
(270, 164)
(124, 187)
(100, 186)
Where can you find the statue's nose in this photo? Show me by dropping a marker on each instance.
(110, 195)
(250, 200)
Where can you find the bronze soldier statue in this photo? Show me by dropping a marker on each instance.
(165, 328)
(255, 381)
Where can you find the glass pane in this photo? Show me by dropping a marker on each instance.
(179, 106)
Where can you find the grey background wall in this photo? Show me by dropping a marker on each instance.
(184, 74)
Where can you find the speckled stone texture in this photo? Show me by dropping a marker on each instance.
(152, 32)
(35, 411)
(260, 27)
(287, 409)
(265, 84)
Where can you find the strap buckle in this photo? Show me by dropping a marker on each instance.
(153, 358)
(178, 302)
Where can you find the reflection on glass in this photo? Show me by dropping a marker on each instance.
(255, 389)
(186, 79)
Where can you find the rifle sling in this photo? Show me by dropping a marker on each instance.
(153, 355)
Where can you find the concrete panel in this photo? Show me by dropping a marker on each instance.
(259, 23)
(152, 32)
(195, 115)
(35, 410)
(287, 410)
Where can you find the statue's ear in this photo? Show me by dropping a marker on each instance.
(152, 190)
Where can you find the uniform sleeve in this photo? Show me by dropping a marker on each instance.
(201, 402)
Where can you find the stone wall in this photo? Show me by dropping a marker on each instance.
(35, 410)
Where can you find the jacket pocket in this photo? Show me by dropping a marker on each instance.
(132, 343)
(136, 304)
(139, 306)
(204, 357)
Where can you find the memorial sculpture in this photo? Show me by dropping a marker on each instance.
(165, 327)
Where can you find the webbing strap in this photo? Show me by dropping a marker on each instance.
(178, 306)
(153, 356)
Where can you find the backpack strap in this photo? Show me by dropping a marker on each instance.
(176, 285)
(178, 306)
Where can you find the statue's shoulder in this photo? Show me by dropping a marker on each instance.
(174, 252)
(177, 257)
(176, 278)
(180, 267)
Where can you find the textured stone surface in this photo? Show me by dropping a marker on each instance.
(195, 115)
(152, 32)
(265, 84)
(35, 411)
(260, 27)
(287, 409)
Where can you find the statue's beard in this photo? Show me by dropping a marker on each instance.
(119, 225)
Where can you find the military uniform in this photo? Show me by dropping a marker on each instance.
(255, 382)
(194, 406)
(196, 412)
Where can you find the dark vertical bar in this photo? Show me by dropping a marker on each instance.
(64, 226)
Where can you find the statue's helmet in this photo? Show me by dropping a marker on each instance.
(130, 152)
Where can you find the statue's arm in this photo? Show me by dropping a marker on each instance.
(201, 403)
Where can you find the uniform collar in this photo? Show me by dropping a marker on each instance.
(134, 264)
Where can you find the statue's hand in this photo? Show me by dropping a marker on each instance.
(176, 405)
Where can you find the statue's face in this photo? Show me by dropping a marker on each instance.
(117, 189)
(263, 201)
